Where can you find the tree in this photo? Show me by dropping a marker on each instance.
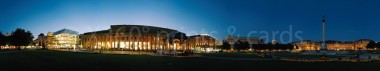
(371, 44)
(226, 45)
(245, 46)
(20, 37)
(290, 46)
(2, 39)
(238, 45)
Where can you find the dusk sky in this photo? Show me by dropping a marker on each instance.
(347, 20)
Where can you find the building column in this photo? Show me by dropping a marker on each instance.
(114, 41)
(148, 43)
(101, 41)
(152, 43)
(142, 42)
(108, 41)
(138, 42)
(130, 42)
(157, 43)
(125, 41)
(145, 42)
(95, 40)
(118, 40)
(134, 47)
(90, 43)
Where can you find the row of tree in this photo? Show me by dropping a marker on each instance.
(18, 38)
(239, 45)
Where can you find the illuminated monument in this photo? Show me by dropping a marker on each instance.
(323, 49)
(323, 46)
(331, 45)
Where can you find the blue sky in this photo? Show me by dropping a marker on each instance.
(347, 20)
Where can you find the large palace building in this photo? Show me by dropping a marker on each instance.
(333, 45)
(135, 37)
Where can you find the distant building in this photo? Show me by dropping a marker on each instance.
(8, 34)
(274, 42)
(41, 41)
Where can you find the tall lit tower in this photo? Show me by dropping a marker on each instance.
(323, 46)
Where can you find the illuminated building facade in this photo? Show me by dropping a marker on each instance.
(333, 45)
(65, 38)
(307, 45)
(341, 46)
(362, 43)
(41, 41)
(50, 39)
(204, 43)
(135, 37)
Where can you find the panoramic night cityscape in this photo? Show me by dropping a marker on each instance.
(189, 35)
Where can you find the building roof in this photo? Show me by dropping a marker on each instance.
(202, 36)
(230, 37)
(142, 29)
(68, 31)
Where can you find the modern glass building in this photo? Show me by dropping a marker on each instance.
(66, 38)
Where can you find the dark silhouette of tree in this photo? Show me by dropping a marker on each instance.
(237, 45)
(290, 46)
(271, 46)
(261, 41)
(371, 44)
(226, 45)
(240, 45)
(2, 39)
(245, 46)
(20, 37)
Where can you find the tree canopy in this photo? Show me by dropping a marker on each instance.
(21, 37)
(371, 44)
(240, 45)
(2, 39)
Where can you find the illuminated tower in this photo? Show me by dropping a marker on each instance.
(323, 46)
